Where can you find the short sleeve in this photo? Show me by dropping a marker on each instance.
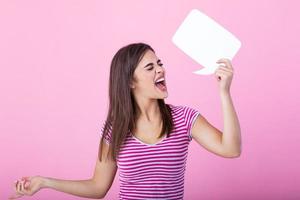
(107, 137)
(190, 116)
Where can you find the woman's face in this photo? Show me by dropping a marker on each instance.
(149, 78)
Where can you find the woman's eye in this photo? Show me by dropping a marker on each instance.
(160, 64)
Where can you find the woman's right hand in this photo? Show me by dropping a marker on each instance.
(27, 186)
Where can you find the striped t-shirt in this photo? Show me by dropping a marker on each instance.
(156, 171)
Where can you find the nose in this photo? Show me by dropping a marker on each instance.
(159, 69)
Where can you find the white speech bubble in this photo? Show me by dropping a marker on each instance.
(205, 41)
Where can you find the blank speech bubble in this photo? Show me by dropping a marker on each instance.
(205, 41)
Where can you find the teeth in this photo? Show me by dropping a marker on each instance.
(161, 79)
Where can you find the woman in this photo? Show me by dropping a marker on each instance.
(145, 138)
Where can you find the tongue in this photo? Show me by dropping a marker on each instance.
(161, 86)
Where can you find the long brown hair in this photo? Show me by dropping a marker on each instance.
(123, 111)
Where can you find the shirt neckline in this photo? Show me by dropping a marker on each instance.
(157, 143)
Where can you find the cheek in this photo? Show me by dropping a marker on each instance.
(146, 83)
(144, 80)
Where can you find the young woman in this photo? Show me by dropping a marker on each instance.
(145, 138)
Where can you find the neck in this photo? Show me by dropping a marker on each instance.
(148, 110)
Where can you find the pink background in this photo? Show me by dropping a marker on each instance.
(54, 59)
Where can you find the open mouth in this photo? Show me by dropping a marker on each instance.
(161, 85)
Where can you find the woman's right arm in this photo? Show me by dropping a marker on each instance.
(96, 187)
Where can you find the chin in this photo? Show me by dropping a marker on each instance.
(164, 96)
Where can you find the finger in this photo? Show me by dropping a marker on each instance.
(224, 75)
(16, 195)
(224, 64)
(227, 62)
(15, 185)
(23, 190)
(226, 69)
(220, 75)
(27, 184)
(228, 73)
(12, 197)
(20, 188)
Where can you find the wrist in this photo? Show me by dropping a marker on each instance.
(45, 182)
(225, 93)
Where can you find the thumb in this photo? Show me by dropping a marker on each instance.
(27, 184)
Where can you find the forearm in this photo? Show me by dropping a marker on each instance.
(231, 137)
(82, 188)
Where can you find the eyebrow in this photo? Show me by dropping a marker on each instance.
(158, 61)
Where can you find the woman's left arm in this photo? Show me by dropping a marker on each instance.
(231, 137)
(228, 142)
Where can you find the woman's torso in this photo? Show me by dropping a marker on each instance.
(154, 168)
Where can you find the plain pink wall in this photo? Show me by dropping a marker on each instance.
(54, 59)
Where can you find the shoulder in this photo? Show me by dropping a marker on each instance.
(185, 116)
(184, 110)
(106, 131)
(176, 108)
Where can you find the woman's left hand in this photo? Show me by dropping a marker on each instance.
(224, 75)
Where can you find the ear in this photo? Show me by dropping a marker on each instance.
(132, 84)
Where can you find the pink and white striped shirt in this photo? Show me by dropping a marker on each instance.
(156, 171)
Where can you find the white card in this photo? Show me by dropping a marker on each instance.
(205, 41)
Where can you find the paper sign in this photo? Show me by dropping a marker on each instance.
(205, 41)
